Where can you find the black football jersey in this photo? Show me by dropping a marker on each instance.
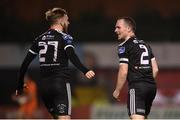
(137, 54)
(51, 47)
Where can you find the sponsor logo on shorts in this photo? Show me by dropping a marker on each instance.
(61, 108)
(140, 110)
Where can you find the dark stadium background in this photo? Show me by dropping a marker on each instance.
(92, 26)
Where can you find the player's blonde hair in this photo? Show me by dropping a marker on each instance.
(53, 14)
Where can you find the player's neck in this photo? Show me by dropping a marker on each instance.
(129, 36)
(57, 27)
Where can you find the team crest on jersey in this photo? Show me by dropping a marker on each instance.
(121, 50)
(68, 38)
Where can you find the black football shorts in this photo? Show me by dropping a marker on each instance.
(140, 98)
(56, 95)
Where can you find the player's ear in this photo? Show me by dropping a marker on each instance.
(129, 29)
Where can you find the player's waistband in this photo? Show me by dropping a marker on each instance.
(45, 72)
(145, 82)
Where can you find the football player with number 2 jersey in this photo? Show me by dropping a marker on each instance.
(138, 65)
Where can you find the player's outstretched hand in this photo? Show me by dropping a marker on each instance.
(116, 94)
(90, 74)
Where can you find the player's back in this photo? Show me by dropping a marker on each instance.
(52, 56)
(139, 56)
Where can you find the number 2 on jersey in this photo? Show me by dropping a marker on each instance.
(144, 54)
(44, 50)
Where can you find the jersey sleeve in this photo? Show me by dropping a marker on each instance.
(75, 60)
(29, 57)
(123, 54)
(34, 47)
(33, 51)
(68, 40)
(151, 53)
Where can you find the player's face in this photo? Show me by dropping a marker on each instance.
(65, 23)
(121, 29)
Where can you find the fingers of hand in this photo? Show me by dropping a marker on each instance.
(116, 94)
(90, 74)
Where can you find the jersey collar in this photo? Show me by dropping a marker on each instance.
(59, 31)
(131, 38)
(123, 42)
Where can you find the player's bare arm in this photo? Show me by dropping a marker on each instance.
(154, 67)
(122, 74)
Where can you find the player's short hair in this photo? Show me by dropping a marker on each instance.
(130, 22)
(53, 14)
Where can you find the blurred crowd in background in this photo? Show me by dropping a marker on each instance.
(92, 27)
(157, 20)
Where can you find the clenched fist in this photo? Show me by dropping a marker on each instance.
(116, 94)
(90, 74)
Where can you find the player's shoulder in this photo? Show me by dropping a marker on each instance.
(44, 35)
(123, 47)
(127, 43)
(67, 36)
(138, 41)
(64, 35)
